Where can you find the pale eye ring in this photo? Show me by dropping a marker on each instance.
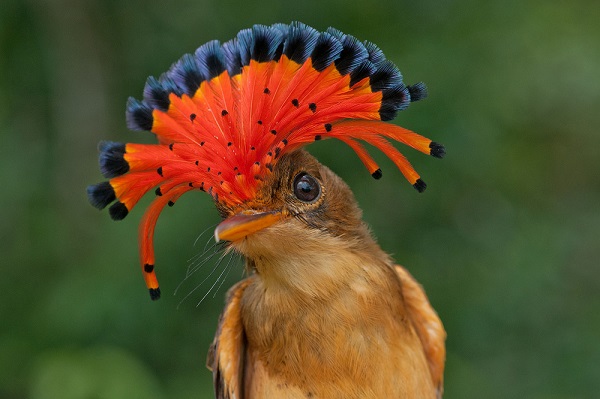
(306, 188)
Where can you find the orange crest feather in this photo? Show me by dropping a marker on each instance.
(224, 115)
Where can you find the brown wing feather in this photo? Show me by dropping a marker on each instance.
(427, 324)
(227, 351)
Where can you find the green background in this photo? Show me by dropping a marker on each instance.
(506, 239)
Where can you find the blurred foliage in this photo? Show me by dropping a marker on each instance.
(505, 240)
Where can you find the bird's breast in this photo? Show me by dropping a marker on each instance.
(355, 343)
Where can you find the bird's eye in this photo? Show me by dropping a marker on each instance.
(306, 188)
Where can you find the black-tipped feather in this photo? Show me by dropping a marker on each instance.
(118, 211)
(233, 58)
(138, 115)
(392, 101)
(266, 42)
(244, 39)
(112, 162)
(156, 93)
(387, 76)
(210, 60)
(284, 30)
(364, 70)
(326, 50)
(437, 150)
(300, 42)
(420, 185)
(101, 194)
(154, 293)
(418, 91)
(353, 54)
(186, 77)
(376, 56)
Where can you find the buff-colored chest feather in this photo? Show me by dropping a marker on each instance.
(357, 342)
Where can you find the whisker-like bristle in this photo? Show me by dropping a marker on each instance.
(197, 262)
(229, 266)
(209, 228)
(201, 259)
(216, 281)
(217, 264)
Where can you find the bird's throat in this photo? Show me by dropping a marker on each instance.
(312, 265)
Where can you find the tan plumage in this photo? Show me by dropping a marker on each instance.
(325, 312)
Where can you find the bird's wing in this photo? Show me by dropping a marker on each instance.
(427, 324)
(227, 351)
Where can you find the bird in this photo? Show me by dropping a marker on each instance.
(324, 312)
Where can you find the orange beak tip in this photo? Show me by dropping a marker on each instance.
(241, 225)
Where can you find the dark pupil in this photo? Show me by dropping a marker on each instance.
(306, 188)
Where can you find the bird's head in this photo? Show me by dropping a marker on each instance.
(303, 231)
(232, 119)
(295, 207)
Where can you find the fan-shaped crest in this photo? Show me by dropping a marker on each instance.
(225, 114)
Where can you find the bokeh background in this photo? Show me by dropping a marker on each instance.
(506, 240)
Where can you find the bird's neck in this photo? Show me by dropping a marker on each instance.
(317, 267)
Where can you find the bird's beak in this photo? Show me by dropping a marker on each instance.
(245, 223)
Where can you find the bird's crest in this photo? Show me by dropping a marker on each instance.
(225, 114)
